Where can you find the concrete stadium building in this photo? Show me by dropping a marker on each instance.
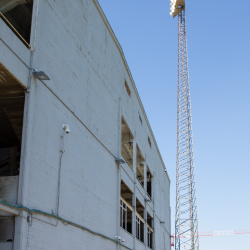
(79, 164)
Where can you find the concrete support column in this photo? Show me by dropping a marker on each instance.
(119, 167)
(145, 179)
(145, 210)
(153, 194)
(134, 195)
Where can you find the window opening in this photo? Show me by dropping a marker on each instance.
(126, 143)
(18, 16)
(126, 209)
(126, 193)
(140, 119)
(11, 123)
(127, 88)
(149, 220)
(150, 232)
(149, 142)
(149, 182)
(126, 216)
(140, 222)
(140, 166)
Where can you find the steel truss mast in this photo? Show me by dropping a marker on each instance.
(186, 222)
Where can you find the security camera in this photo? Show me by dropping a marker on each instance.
(123, 240)
(118, 238)
(66, 128)
(165, 170)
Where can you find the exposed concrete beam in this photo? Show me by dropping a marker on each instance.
(8, 209)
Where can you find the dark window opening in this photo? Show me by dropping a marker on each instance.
(149, 142)
(126, 209)
(18, 15)
(150, 237)
(139, 208)
(149, 182)
(140, 119)
(126, 193)
(140, 222)
(149, 220)
(139, 166)
(150, 231)
(11, 123)
(126, 143)
(127, 88)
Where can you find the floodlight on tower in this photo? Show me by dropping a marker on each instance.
(176, 7)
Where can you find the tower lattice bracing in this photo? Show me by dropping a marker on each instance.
(186, 223)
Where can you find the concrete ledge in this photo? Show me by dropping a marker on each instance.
(8, 209)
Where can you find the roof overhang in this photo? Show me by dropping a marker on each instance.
(176, 7)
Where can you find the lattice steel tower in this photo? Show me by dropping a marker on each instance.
(186, 223)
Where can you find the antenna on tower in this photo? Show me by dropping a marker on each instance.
(186, 222)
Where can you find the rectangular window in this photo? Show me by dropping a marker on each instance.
(126, 209)
(127, 88)
(140, 223)
(149, 183)
(150, 232)
(149, 219)
(140, 119)
(126, 143)
(140, 166)
(149, 142)
(126, 216)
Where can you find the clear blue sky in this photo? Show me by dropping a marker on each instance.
(218, 34)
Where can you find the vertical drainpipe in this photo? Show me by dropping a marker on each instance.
(145, 210)
(20, 236)
(134, 195)
(28, 115)
(119, 169)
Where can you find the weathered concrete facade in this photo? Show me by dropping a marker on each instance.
(69, 185)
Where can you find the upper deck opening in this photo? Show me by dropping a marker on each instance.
(17, 14)
(11, 124)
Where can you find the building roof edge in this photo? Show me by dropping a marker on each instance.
(105, 20)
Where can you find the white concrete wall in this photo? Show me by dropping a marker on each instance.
(76, 48)
(13, 54)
